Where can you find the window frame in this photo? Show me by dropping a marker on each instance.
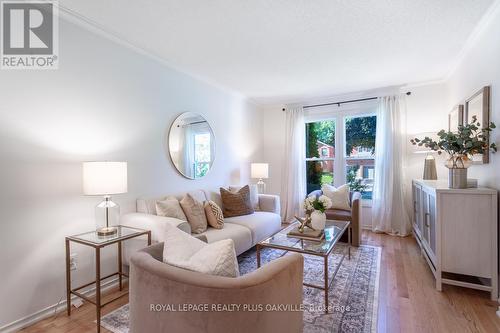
(339, 116)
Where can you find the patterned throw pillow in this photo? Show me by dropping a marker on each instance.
(236, 204)
(214, 214)
(195, 214)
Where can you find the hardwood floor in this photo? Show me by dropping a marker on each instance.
(408, 301)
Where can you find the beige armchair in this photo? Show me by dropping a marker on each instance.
(353, 215)
(154, 284)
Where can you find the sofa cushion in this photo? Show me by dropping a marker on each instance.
(195, 213)
(254, 194)
(236, 203)
(241, 236)
(170, 207)
(148, 205)
(198, 195)
(338, 214)
(261, 224)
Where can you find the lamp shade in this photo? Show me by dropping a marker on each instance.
(259, 170)
(104, 178)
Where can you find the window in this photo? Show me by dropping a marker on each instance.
(320, 154)
(350, 159)
(360, 132)
(202, 156)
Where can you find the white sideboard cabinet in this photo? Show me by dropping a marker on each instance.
(456, 230)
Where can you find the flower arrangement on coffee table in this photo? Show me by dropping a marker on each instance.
(315, 207)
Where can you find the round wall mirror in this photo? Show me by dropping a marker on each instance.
(191, 144)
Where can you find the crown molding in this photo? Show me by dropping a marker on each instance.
(90, 25)
(492, 12)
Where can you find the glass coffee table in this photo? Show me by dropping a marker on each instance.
(333, 231)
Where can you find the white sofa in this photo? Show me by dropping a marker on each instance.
(245, 231)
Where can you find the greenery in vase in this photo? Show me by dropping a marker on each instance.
(469, 140)
(321, 203)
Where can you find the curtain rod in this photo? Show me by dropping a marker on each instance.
(344, 102)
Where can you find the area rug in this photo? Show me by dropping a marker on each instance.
(353, 296)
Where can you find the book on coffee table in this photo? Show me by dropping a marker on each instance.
(308, 234)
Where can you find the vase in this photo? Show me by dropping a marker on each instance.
(457, 165)
(318, 220)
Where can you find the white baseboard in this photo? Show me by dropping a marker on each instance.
(49, 311)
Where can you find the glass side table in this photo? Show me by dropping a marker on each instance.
(98, 242)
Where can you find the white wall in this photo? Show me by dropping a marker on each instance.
(105, 102)
(479, 67)
(426, 112)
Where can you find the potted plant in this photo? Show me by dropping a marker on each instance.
(470, 139)
(315, 207)
(355, 184)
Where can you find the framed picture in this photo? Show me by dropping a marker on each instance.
(456, 118)
(479, 105)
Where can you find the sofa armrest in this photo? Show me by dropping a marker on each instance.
(153, 223)
(270, 203)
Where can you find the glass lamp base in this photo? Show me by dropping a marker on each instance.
(261, 186)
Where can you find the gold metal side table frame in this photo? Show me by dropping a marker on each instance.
(101, 242)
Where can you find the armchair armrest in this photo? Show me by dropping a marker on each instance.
(270, 203)
(356, 218)
(153, 282)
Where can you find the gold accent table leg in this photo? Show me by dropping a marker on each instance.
(326, 283)
(258, 255)
(349, 241)
(68, 279)
(98, 287)
(120, 265)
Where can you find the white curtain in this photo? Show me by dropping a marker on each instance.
(293, 185)
(389, 210)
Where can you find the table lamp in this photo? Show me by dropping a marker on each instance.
(260, 171)
(105, 178)
(430, 172)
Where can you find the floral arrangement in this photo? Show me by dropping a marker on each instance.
(320, 203)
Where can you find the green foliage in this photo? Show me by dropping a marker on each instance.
(355, 185)
(323, 131)
(361, 132)
(469, 140)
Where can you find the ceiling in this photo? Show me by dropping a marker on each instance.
(288, 50)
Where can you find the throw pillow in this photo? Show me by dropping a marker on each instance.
(170, 207)
(236, 204)
(339, 196)
(185, 251)
(254, 194)
(195, 214)
(214, 214)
